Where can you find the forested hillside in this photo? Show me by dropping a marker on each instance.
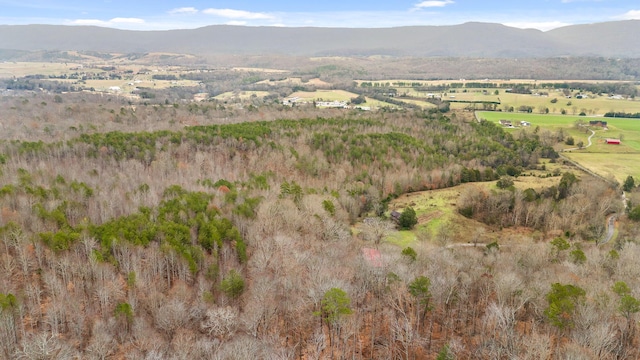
(193, 237)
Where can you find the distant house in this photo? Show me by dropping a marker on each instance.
(332, 104)
(290, 101)
(613, 141)
(525, 123)
(395, 216)
(506, 123)
(599, 123)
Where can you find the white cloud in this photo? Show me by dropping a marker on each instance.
(630, 15)
(237, 14)
(183, 10)
(436, 3)
(543, 25)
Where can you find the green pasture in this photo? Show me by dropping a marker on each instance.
(552, 123)
(617, 166)
(610, 161)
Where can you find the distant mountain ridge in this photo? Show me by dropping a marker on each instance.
(486, 40)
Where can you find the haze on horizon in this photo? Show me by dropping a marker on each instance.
(188, 14)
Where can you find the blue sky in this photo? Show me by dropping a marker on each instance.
(184, 14)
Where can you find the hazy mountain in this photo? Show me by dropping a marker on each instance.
(617, 39)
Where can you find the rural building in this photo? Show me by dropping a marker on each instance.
(395, 216)
(525, 123)
(332, 104)
(598, 123)
(613, 141)
(290, 101)
(506, 123)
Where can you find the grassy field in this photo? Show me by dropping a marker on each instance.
(437, 210)
(19, 69)
(337, 95)
(594, 105)
(423, 104)
(616, 161)
(242, 95)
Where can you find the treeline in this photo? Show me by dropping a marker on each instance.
(620, 88)
(562, 206)
(35, 85)
(619, 114)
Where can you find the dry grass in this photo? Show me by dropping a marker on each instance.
(241, 95)
(19, 69)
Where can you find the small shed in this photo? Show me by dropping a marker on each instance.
(613, 141)
(395, 216)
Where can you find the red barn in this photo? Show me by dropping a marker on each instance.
(613, 141)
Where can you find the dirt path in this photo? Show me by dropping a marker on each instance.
(611, 227)
(584, 147)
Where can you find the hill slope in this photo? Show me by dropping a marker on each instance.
(465, 40)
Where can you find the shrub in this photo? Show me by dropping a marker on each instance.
(410, 253)
(569, 140)
(504, 183)
(232, 285)
(408, 219)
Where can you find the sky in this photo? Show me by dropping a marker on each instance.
(187, 14)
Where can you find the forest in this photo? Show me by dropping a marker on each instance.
(211, 231)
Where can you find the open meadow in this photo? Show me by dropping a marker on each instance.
(437, 211)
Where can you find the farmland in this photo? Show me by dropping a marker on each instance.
(336, 95)
(543, 96)
(615, 161)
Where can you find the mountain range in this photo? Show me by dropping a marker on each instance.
(482, 40)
